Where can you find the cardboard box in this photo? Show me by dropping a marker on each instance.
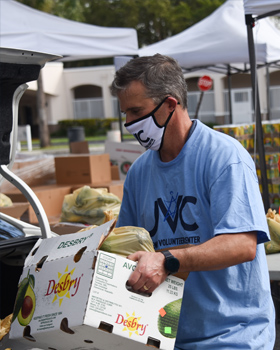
(82, 301)
(115, 174)
(64, 228)
(79, 147)
(16, 210)
(82, 169)
(38, 172)
(123, 154)
(115, 187)
(50, 196)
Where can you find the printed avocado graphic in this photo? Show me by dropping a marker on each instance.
(25, 301)
(28, 307)
(168, 319)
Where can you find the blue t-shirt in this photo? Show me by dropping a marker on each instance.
(210, 188)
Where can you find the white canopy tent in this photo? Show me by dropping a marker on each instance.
(259, 9)
(220, 40)
(22, 27)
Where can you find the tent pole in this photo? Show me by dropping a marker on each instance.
(120, 121)
(259, 131)
(268, 92)
(44, 133)
(229, 94)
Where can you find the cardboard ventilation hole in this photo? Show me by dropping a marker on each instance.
(34, 251)
(64, 326)
(153, 343)
(78, 255)
(41, 263)
(107, 327)
(129, 288)
(27, 334)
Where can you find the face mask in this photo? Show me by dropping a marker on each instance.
(147, 131)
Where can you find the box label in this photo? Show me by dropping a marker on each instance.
(106, 265)
(46, 321)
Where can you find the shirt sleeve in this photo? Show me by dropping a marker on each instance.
(236, 202)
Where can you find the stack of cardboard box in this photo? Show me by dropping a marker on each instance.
(70, 172)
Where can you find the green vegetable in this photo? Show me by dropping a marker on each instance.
(168, 319)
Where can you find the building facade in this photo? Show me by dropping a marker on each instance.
(82, 93)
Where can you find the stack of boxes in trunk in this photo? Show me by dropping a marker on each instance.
(66, 174)
(245, 133)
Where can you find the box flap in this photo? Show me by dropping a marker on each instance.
(16, 210)
(67, 245)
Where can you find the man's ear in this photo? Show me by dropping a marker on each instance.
(172, 102)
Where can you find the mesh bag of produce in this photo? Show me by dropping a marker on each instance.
(127, 240)
(93, 206)
(5, 201)
(273, 220)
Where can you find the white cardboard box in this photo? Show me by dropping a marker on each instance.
(82, 301)
(123, 154)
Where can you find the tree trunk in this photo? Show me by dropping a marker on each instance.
(42, 114)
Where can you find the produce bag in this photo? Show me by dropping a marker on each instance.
(273, 220)
(127, 240)
(5, 201)
(93, 206)
(5, 326)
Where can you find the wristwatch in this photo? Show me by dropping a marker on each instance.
(171, 263)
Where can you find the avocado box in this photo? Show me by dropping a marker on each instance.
(73, 296)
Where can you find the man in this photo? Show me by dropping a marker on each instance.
(195, 186)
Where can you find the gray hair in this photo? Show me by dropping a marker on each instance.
(161, 76)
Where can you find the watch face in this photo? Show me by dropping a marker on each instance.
(172, 264)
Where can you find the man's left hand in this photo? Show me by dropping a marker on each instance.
(149, 272)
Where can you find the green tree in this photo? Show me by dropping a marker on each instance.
(154, 22)
(202, 8)
(41, 5)
(70, 9)
(181, 16)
